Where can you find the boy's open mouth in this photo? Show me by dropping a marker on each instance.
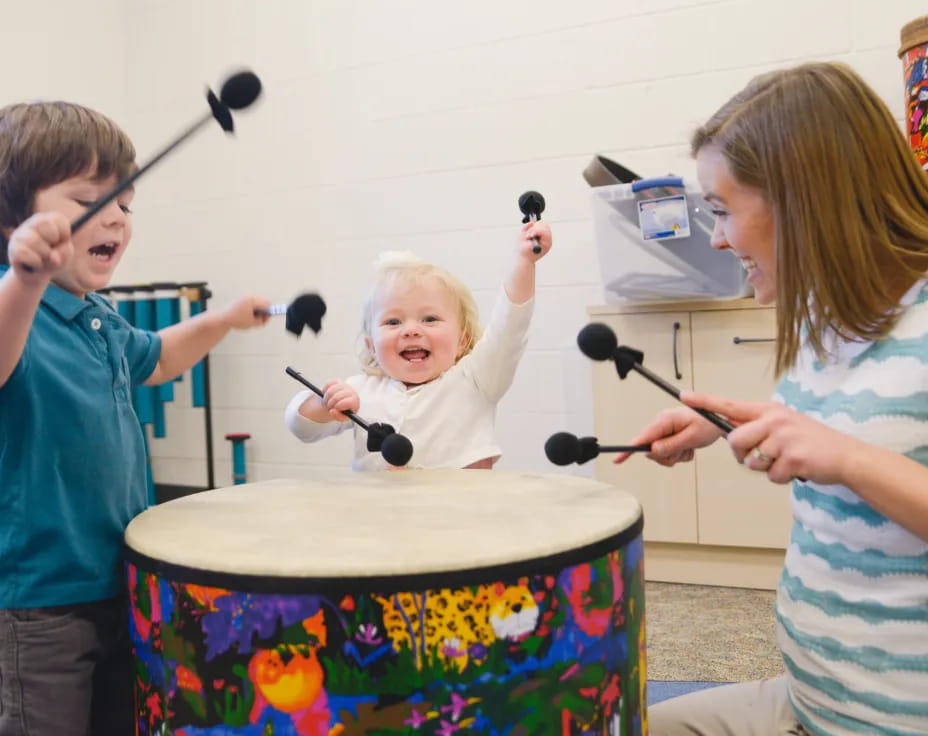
(104, 251)
(415, 355)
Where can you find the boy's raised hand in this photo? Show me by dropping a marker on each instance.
(40, 246)
(526, 240)
(247, 311)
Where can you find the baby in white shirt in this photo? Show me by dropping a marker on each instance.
(428, 371)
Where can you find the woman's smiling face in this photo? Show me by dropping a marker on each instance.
(744, 222)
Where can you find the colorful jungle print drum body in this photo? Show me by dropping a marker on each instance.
(415, 602)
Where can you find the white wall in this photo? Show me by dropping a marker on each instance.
(72, 51)
(415, 124)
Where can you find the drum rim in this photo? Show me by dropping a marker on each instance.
(431, 580)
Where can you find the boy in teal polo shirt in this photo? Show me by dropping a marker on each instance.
(72, 459)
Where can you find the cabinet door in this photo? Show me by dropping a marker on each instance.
(624, 407)
(737, 506)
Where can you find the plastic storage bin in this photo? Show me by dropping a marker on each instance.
(645, 253)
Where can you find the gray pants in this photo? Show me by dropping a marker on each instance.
(760, 708)
(66, 671)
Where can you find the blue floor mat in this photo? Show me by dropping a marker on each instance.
(659, 690)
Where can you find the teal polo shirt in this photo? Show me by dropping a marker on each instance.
(72, 453)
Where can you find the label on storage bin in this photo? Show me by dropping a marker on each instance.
(664, 218)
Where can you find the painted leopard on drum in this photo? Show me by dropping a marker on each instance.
(459, 624)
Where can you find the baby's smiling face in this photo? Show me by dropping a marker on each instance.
(415, 331)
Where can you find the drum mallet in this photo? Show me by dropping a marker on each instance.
(532, 204)
(564, 448)
(395, 448)
(238, 91)
(598, 342)
(238, 456)
(307, 310)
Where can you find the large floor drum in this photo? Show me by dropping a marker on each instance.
(413, 602)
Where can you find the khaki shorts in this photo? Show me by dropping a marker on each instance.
(760, 708)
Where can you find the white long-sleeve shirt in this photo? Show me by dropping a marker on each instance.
(450, 420)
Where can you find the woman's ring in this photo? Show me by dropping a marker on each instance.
(759, 454)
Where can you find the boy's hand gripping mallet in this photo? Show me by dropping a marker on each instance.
(238, 92)
(307, 310)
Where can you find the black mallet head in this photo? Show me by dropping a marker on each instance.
(564, 448)
(306, 310)
(597, 341)
(240, 90)
(531, 204)
(395, 448)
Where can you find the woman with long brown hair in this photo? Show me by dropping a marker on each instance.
(816, 192)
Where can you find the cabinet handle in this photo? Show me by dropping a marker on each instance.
(676, 369)
(739, 340)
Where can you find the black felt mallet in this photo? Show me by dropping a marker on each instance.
(307, 310)
(237, 92)
(532, 204)
(564, 448)
(598, 342)
(395, 448)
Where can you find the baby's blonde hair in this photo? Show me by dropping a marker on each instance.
(393, 269)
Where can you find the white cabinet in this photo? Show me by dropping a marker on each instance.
(712, 509)
(623, 407)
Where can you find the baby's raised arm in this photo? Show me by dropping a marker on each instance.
(520, 282)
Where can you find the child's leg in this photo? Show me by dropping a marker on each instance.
(48, 660)
(46, 666)
(758, 708)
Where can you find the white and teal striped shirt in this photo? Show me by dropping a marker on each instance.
(852, 606)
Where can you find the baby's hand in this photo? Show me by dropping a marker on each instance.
(526, 242)
(339, 397)
(39, 247)
(248, 311)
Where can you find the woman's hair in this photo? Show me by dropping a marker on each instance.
(45, 143)
(402, 269)
(849, 200)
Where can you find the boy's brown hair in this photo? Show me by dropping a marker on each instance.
(44, 143)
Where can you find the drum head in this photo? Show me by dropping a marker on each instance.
(389, 524)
